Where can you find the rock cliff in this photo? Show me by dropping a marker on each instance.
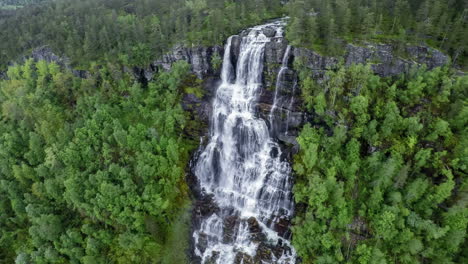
(385, 60)
(45, 53)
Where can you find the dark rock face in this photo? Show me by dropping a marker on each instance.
(235, 48)
(255, 230)
(45, 53)
(201, 108)
(385, 62)
(199, 58)
(274, 53)
(230, 225)
(382, 57)
(315, 61)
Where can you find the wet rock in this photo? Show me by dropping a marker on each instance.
(230, 225)
(213, 259)
(242, 258)
(235, 47)
(295, 119)
(288, 140)
(255, 230)
(282, 226)
(202, 242)
(274, 52)
(205, 206)
(269, 32)
(198, 108)
(286, 83)
(234, 52)
(281, 249)
(264, 109)
(264, 254)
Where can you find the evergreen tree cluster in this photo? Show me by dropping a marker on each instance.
(92, 170)
(130, 32)
(21, 2)
(381, 176)
(326, 25)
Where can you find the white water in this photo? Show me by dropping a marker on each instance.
(241, 165)
(284, 67)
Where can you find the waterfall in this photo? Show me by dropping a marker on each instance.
(284, 67)
(241, 168)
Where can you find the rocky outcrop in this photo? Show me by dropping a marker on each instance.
(200, 106)
(45, 53)
(200, 60)
(385, 59)
(314, 61)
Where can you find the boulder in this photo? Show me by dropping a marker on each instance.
(269, 32)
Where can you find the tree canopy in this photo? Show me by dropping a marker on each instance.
(384, 180)
(92, 170)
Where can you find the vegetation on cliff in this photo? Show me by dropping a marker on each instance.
(328, 25)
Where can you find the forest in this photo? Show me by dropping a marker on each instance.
(126, 32)
(94, 170)
(327, 25)
(386, 161)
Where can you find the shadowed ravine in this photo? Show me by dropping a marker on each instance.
(241, 167)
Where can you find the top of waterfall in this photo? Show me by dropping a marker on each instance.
(268, 31)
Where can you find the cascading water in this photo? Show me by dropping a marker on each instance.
(241, 168)
(284, 67)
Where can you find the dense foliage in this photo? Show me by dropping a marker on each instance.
(328, 25)
(21, 2)
(91, 170)
(131, 32)
(381, 174)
